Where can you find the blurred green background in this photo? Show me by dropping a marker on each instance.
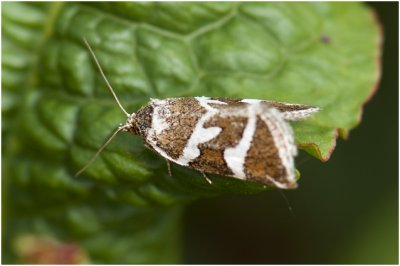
(345, 210)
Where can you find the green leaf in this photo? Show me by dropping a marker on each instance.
(58, 111)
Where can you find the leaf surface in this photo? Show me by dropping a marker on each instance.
(58, 111)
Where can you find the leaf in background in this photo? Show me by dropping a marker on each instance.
(60, 112)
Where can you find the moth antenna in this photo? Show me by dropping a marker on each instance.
(287, 203)
(104, 77)
(100, 150)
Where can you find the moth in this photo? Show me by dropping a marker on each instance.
(246, 139)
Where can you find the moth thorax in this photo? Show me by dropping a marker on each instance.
(141, 121)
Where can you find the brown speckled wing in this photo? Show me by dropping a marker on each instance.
(290, 111)
(182, 115)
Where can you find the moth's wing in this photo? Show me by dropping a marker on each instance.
(171, 125)
(290, 111)
(230, 121)
(270, 158)
(293, 111)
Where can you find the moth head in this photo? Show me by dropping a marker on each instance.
(134, 125)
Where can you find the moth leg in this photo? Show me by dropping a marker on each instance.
(168, 163)
(148, 146)
(207, 179)
(169, 167)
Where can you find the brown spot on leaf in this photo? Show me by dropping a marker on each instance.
(325, 39)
